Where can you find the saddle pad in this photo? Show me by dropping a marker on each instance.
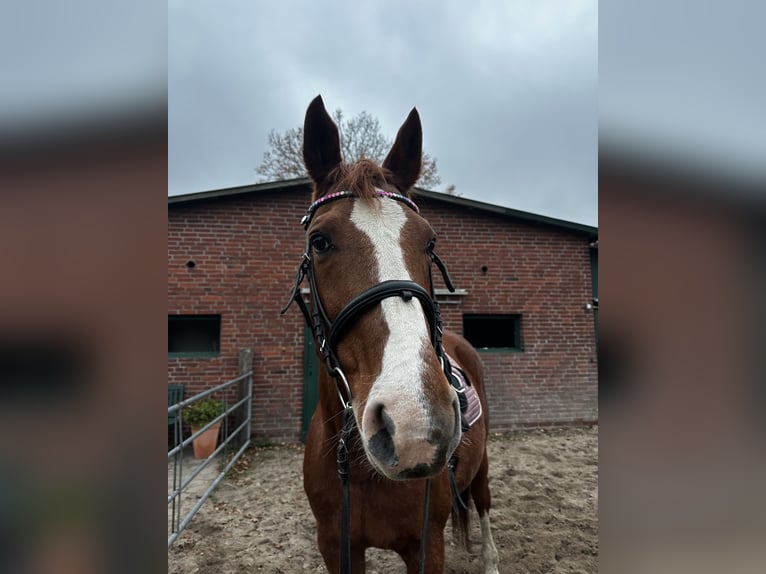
(473, 410)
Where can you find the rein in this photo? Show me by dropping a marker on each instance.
(328, 332)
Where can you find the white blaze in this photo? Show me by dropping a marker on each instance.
(400, 374)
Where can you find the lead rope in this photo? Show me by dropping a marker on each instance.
(456, 498)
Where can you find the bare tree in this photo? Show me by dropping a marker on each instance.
(360, 137)
(452, 191)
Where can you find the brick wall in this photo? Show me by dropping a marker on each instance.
(245, 251)
(544, 275)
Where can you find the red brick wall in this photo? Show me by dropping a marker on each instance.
(544, 275)
(245, 252)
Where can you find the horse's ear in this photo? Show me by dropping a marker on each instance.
(321, 142)
(405, 159)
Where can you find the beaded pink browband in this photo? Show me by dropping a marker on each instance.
(341, 194)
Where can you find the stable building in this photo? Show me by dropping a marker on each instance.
(526, 297)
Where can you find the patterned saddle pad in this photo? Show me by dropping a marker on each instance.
(471, 406)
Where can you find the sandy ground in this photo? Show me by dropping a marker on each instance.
(544, 486)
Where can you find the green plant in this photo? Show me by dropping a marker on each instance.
(202, 412)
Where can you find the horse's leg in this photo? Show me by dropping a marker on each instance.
(329, 547)
(434, 553)
(357, 560)
(482, 500)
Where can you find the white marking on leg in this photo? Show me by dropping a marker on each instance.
(401, 370)
(488, 549)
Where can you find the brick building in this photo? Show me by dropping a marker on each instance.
(525, 291)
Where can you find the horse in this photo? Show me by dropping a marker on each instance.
(389, 420)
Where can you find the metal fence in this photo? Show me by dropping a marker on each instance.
(236, 441)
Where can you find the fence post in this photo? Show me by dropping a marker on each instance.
(244, 365)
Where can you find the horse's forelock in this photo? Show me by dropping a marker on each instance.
(362, 177)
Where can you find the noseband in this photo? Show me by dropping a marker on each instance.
(328, 332)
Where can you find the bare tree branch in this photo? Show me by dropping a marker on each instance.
(283, 159)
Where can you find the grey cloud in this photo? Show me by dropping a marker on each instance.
(507, 92)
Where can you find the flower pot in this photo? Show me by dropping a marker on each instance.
(205, 444)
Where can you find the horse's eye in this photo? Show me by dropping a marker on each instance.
(320, 243)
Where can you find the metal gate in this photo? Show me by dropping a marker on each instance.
(240, 412)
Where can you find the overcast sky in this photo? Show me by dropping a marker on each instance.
(506, 90)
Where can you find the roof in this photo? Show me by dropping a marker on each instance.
(303, 182)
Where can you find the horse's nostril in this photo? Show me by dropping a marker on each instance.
(381, 446)
(382, 428)
(379, 418)
(387, 421)
(436, 436)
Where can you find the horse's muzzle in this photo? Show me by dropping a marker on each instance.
(404, 443)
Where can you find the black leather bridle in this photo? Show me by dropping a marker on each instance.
(327, 333)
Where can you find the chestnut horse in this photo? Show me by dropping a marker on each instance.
(368, 260)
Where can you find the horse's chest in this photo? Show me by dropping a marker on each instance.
(383, 513)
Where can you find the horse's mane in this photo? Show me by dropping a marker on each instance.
(362, 177)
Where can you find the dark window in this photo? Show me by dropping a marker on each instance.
(500, 332)
(194, 335)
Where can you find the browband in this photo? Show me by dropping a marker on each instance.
(306, 220)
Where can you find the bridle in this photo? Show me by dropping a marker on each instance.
(327, 333)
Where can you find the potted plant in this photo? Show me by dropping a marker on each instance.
(198, 414)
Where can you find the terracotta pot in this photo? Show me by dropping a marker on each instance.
(205, 444)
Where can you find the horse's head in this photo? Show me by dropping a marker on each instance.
(407, 412)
